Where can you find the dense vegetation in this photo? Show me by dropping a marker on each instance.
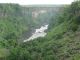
(12, 26)
(61, 43)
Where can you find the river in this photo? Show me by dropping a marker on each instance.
(40, 32)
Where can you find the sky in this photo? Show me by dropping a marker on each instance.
(34, 2)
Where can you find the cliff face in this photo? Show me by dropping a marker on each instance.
(35, 13)
(42, 14)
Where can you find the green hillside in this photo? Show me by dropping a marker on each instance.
(62, 41)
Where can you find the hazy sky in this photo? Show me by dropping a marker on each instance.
(30, 2)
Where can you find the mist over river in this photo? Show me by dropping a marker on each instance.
(40, 32)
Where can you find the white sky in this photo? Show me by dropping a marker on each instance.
(31, 2)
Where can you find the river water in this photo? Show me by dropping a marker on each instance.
(38, 33)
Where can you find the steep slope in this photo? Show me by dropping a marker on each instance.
(15, 22)
(12, 26)
(62, 41)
